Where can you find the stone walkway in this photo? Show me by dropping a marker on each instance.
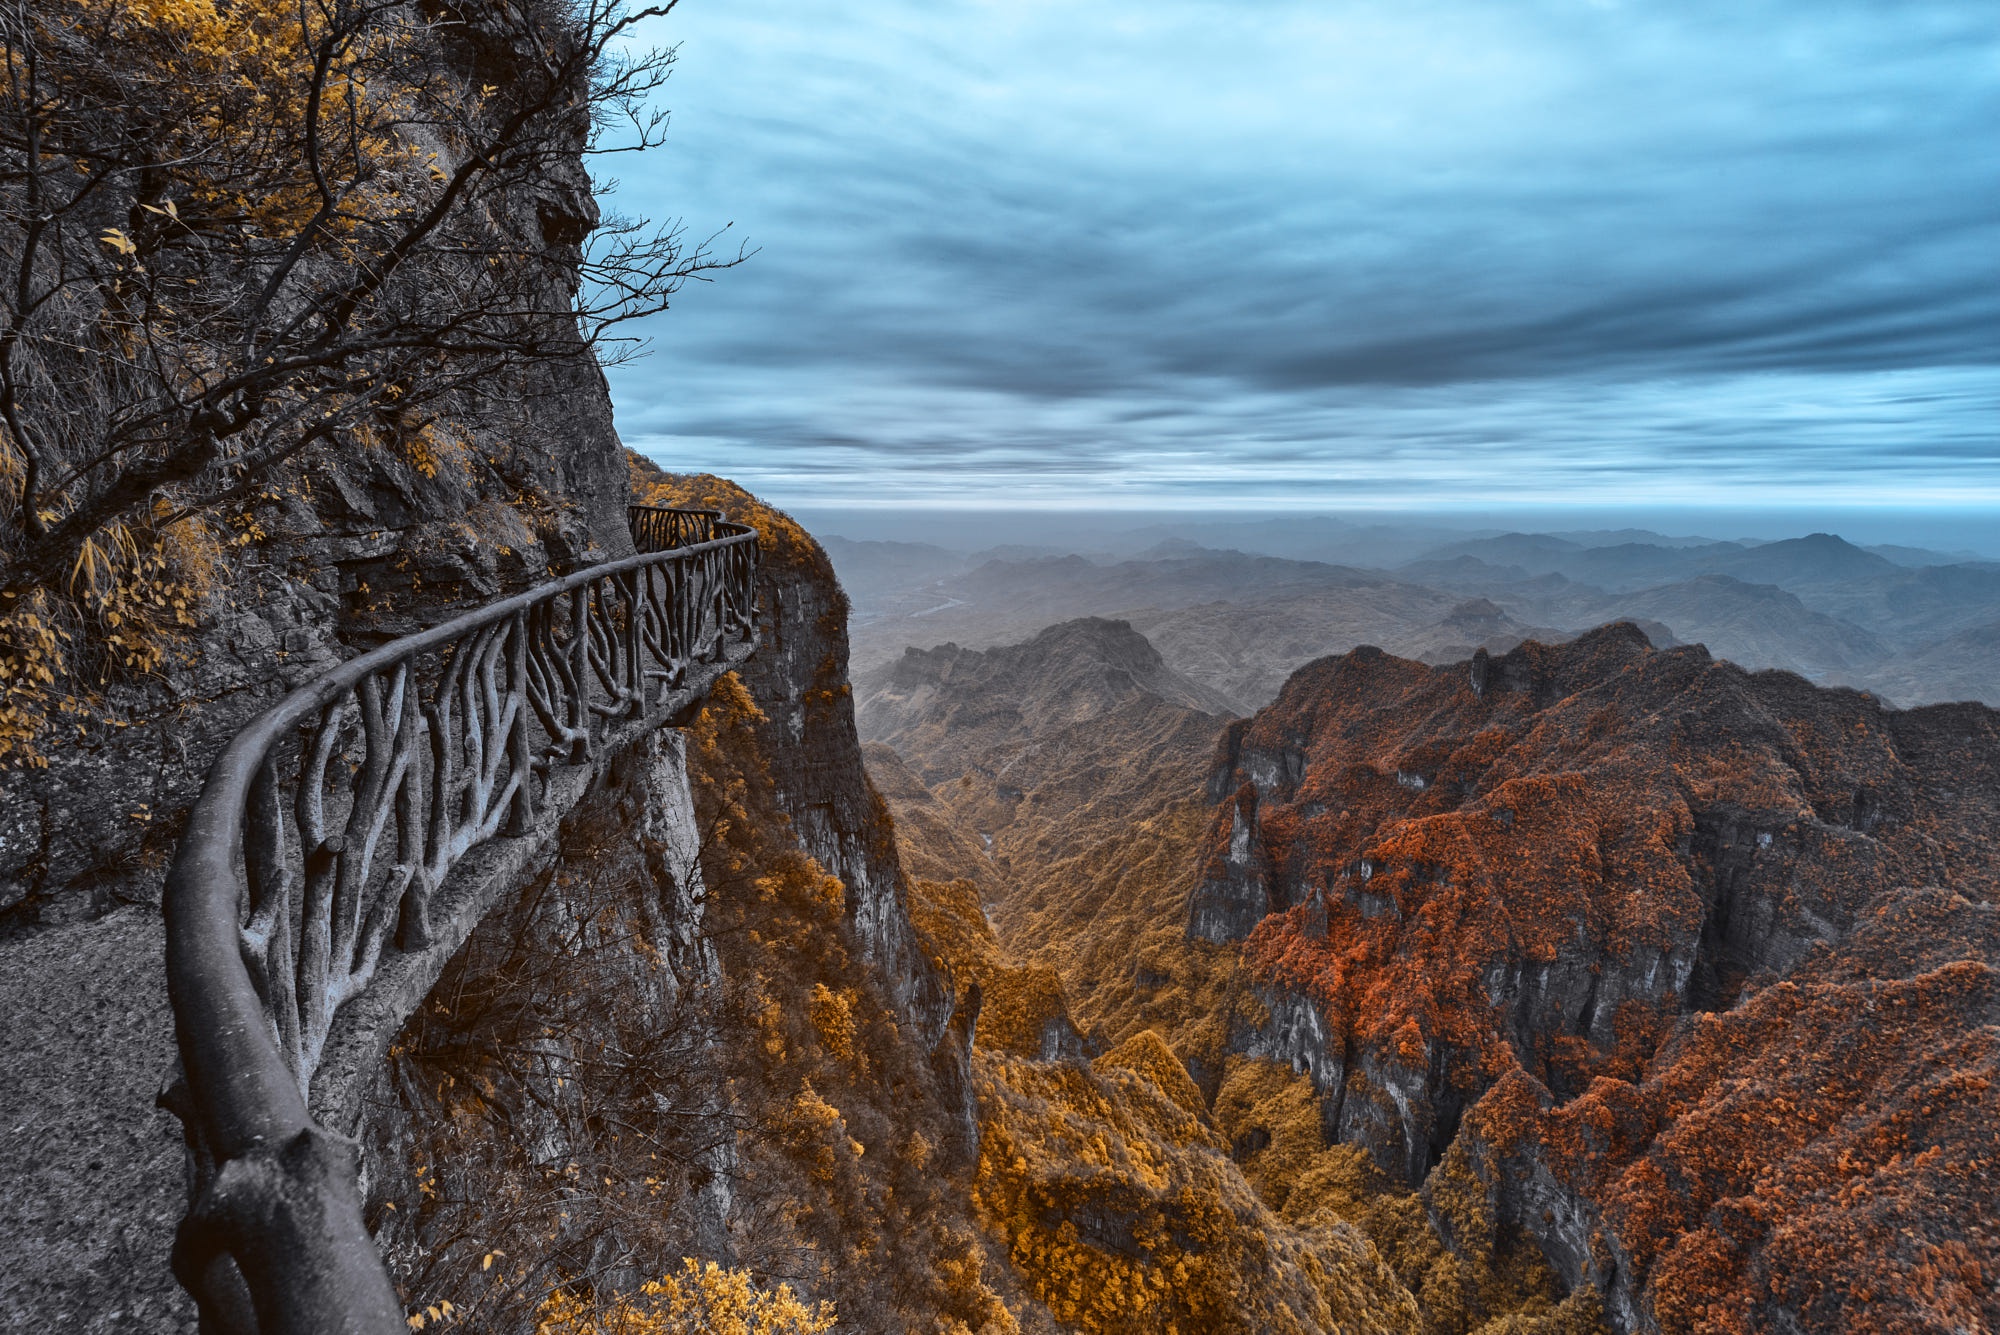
(90, 1171)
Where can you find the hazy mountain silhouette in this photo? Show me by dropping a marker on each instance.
(1238, 622)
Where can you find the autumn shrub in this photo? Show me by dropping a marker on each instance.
(1147, 1054)
(1021, 1007)
(699, 1300)
(126, 611)
(1122, 1213)
(840, 1186)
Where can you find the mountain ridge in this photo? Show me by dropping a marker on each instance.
(1513, 896)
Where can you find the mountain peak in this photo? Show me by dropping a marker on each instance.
(1066, 673)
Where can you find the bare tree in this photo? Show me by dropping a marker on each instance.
(230, 235)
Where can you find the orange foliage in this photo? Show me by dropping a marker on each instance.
(1442, 849)
(1522, 893)
(1825, 1150)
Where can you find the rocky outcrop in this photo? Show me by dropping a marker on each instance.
(1586, 910)
(1812, 1159)
(336, 551)
(799, 680)
(706, 1028)
(1235, 890)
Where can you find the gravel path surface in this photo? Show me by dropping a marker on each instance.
(90, 1171)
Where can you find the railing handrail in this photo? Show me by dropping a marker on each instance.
(242, 1100)
(261, 731)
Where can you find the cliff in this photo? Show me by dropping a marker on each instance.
(338, 549)
(1627, 915)
(710, 1029)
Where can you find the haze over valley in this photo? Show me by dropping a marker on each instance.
(1237, 607)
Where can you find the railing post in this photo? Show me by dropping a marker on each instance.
(579, 650)
(521, 818)
(635, 671)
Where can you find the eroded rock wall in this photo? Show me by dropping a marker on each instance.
(341, 550)
(1612, 920)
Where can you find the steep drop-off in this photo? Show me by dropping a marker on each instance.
(1718, 944)
(711, 1031)
(1677, 978)
(1075, 818)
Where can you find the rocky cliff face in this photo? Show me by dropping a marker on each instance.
(339, 550)
(839, 1038)
(1614, 909)
(808, 735)
(704, 1026)
(1072, 760)
(800, 682)
(1818, 1157)
(348, 550)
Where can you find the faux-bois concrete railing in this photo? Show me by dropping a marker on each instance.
(343, 847)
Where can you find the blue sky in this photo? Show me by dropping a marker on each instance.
(1254, 253)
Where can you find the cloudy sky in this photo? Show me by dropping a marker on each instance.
(1348, 253)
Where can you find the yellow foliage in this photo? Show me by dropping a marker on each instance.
(779, 536)
(818, 1134)
(832, 1017)
(1271, 1113)
(241, 76)
(133, 595)
(1019, 1004)
(700, 1300)
(1148, 1054)
(845, 1163)
(1483, 1277)
(433, 445)
(1122, 1213)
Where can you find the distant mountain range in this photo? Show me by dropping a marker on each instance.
(1911, 625)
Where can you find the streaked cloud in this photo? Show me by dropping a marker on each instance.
(1272, 252)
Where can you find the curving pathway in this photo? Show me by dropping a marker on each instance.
(346, 843)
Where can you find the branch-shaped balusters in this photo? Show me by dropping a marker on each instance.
(290, 878)
(268, 946)
(320, 900)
